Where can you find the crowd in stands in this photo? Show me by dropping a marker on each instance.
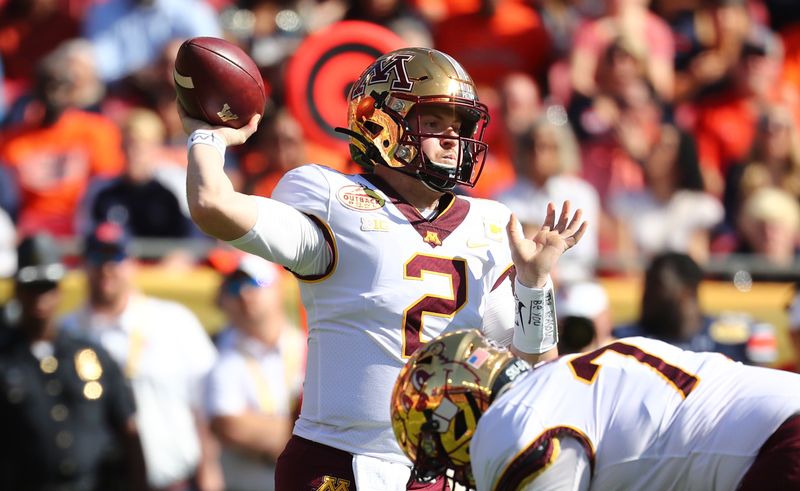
(673, 124)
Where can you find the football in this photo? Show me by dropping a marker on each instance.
(217, 82)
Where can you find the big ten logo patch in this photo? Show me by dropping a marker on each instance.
(330, 483)
(374, 224)
(359, 198)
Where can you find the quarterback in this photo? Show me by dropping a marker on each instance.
(387, 259)
(636, 414)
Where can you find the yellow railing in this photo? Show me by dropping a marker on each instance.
(196, 288)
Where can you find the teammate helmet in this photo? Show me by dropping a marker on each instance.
(381, 108)
(440, 395)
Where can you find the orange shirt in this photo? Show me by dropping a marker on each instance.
(53, 165)
(791, 60)
(261, 177)
(513, 39)
(724, 128)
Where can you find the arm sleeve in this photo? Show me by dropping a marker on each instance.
(570, 471)
(285, 232)
(498, 318)
(287, 237)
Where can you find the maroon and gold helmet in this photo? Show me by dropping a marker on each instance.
(383, 101)
(440, 395)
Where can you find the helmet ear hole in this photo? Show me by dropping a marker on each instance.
(374, 128)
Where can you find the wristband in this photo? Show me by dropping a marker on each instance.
(535, 326)
(207, 137)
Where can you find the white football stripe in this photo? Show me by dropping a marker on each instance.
(183, 81)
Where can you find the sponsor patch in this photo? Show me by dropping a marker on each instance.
(359, 198)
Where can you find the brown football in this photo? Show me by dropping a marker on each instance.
(217, 82)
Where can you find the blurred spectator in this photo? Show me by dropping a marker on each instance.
(29, 29)
(253, 391)
(153, 87)
(769, 225)
(129, 35)
(671, 311)
(519, 105)
(8, 246)
(164, 352)
(77, 71)
(709, 37)
(672, 212)
(774, 160)
(438, 10)
(54, 152)
(9, 191)
(547, 166)
(724, 122)
(271, 30)
(794, 325)
(622, 101)
(149, 198)
(561, 19)
(501, 38)
(397, 15)
(631, 23)
(66, 411)
(279, 146)
(585, 321)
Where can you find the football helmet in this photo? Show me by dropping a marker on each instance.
(440, 395)
(393, 91)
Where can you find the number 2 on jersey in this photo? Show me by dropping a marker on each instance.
(586, 369)
(441, 306)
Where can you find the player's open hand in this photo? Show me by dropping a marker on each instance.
(534, 258)
(230, 136)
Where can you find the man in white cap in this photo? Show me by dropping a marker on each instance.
(253, 391)
(585, 321)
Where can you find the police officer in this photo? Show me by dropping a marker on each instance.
(66, 413)
(671, 312)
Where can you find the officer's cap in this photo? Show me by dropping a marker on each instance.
(39, 260)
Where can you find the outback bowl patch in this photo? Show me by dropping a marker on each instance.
(359, 198)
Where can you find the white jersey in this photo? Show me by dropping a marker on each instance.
(397, 280)
(649, 415)
(166, 354)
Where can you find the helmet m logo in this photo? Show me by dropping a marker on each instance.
(334, 484)
(380, 71)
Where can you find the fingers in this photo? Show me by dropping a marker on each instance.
(575, 222)
(513, 230)
(563, 218)
(550, 216)
(252, 126)
(576, 237)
